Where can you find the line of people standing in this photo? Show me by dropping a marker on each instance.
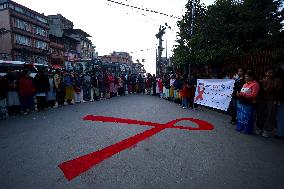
(20, 91)
(173, 87)
(257, 106)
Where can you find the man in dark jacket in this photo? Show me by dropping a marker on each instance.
(239, 82)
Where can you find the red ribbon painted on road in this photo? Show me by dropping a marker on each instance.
(77, 166)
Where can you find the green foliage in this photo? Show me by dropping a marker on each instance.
(226, 30)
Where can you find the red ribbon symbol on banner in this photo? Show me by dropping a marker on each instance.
(200, 93)
(75, 167)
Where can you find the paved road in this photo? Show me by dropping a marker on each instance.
(32, 147)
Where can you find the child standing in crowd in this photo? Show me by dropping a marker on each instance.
(247, 104)
(3, 97)
(27, 92)
(185, 94)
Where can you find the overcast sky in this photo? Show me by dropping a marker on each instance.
(117, 28)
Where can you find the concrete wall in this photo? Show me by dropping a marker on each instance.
(5, 40)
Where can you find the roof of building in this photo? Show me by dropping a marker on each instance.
(61, 17)
(78, 32)
(33, 11)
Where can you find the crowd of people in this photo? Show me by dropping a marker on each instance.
(253, 106)
(257, 106)
(22, 94)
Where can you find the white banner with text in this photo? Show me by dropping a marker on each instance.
(215, 93)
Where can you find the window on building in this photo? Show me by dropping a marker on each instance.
(41, 60)
(41, 19)
(11, 6)
(3, 6)
(23, 40)
(28, 13)
(22, 25)
(41, 45)
(20, 10)
(40, 31)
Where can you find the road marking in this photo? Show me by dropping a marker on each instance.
(79, 165)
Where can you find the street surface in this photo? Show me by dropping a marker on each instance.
(33, 146)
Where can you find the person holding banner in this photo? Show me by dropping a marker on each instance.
(247, 104)
(239, 82)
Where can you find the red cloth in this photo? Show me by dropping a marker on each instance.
(160, 85)
(250, 91)
(26, 87)
(148, 83)
(185, 92)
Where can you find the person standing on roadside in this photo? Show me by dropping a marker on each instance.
(3, 97)
(51, 94)
(41, 83)
(239, 82)
(247, 104)
(267, 104)
(13, 99)
(69, 90)
(27, 92)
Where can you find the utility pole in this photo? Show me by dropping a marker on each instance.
(191, 30)
(160, 49)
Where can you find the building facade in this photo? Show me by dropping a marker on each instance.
(57, 51)
(118, 57)
(76, 45)
(27, 39)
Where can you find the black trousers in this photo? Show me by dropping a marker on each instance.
(41, 102)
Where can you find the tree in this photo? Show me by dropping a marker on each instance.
(228, 29)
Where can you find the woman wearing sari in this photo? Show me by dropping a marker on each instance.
(247, 104)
